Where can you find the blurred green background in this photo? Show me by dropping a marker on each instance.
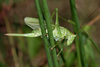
(30, 52)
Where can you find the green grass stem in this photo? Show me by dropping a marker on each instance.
(49, 28)
(11, 40)
(79, 42)
(46, 43)
(92, 41)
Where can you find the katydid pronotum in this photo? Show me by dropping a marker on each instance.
(59, 33)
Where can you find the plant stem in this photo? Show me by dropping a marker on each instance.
(46, 43)
(80, 48)
(94, 44)
(49, 28)
(11, 40)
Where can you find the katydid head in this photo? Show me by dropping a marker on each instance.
(70, 39)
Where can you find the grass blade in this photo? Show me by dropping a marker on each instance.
(46, 43)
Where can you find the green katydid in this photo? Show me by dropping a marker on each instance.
(59, 32)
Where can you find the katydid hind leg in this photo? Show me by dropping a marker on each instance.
(62, 46)
(60, 51)
(57, 44)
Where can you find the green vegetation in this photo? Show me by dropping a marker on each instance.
(46, 43)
